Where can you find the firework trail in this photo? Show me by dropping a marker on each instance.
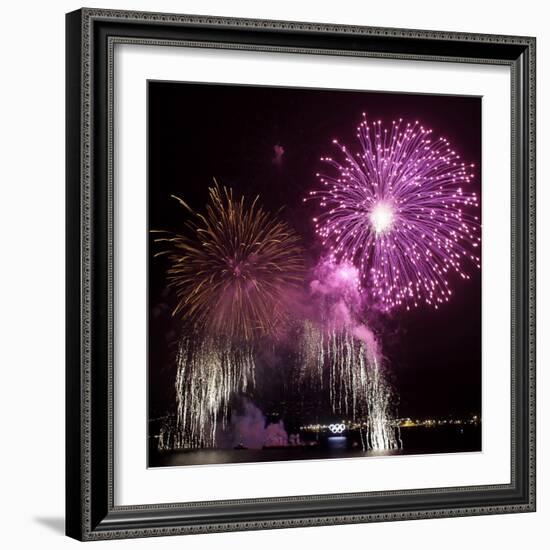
(357, 385)
(399, 210)
(235, 272)
(210, 373)
(341, 354)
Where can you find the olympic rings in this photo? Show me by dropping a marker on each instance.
(337, 428)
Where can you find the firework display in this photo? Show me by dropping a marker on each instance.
(210, 373)
(233, 275)
(356, 382)
(302, 315)
(341, 353)
(400, 209)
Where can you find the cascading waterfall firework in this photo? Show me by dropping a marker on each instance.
(400, 211)
(311, 356)
(340, 354)
(233, 274)
(382, 432)
(356, 382)
(210, 373)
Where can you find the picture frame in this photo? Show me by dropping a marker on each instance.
(91, 509)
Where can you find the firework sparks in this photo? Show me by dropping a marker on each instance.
(209, 374)
(399, 211)
(234, 275)
(340, 354)
(356, 382)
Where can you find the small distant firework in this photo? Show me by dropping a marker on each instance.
(399, 210)
(235, 271)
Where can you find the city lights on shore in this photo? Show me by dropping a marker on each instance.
(398, 422)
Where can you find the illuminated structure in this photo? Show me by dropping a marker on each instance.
(337, 429)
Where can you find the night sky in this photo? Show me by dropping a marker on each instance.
(267, 141)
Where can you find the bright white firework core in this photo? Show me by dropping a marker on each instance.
(382, 217)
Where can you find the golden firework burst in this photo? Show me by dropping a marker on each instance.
(236, 268)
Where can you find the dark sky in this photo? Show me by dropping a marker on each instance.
(197, 132)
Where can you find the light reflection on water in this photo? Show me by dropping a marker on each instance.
(419, 441)
(335, 449)
(337, 442)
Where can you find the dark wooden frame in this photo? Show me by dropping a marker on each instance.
(90, 510)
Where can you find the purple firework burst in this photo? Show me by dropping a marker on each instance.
(399, 211)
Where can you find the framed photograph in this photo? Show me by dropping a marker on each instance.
(300, 274)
